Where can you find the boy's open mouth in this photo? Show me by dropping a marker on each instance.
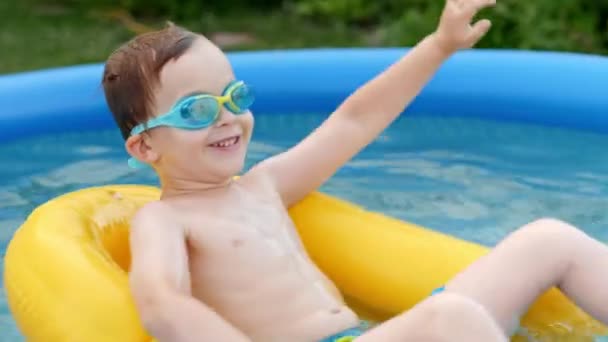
(226, 143)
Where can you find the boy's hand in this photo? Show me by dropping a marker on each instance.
(455, 31)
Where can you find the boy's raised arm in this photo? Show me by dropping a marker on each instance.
(160, 283)
(373, 107)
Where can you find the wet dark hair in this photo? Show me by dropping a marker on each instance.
(132, 72)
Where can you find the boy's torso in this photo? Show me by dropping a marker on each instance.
(247, 263)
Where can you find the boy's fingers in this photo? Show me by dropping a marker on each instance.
(479, 30)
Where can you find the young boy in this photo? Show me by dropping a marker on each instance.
(218, 259)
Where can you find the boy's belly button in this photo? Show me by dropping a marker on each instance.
(335, 311)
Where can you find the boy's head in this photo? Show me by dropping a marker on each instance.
(158, 77)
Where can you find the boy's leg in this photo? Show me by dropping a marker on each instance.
(498, 288)
(445, 317)
(538, 256)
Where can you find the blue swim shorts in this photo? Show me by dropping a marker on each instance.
(348, 335)
(438, 290)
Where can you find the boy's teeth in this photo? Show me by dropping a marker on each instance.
(225, 143)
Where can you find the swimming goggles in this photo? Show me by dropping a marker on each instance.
(200, 111)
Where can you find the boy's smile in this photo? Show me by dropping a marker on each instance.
(229, 143)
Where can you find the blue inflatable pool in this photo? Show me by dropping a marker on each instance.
(548, 88)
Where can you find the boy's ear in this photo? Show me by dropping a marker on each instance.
(139, 148)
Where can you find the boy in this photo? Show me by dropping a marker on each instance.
(199, 273)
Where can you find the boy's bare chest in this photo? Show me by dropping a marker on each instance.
(252, 232)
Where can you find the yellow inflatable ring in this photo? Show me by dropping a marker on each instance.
(66, 266)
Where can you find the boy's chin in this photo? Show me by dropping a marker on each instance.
(229, 170)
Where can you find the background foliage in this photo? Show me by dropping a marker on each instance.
(99, 25)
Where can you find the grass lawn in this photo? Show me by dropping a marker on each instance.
(35, 37)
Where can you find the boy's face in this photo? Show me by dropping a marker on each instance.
(196, 154)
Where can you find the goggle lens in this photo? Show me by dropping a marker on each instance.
(243, 97)
(200, 111)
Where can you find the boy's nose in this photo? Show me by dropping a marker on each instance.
(226, 117)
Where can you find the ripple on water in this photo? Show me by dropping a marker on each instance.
(99, 171)
(92, 150)
(11, 199)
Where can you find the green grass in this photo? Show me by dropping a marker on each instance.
(35, 36)
(41, 37)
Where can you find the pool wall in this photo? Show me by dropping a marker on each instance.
(548, 88)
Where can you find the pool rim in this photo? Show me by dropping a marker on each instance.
(548, 88)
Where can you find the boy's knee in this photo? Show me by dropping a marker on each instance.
(548, 233)
(551, 229)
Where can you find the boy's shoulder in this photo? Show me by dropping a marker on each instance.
(257, 175)
(154, 208)
(155, 213)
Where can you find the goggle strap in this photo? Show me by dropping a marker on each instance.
(136, 164)
(231, 86)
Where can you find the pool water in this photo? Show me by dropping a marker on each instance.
(476, 180)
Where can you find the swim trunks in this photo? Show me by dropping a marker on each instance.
(348, 335)
(438, 290)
